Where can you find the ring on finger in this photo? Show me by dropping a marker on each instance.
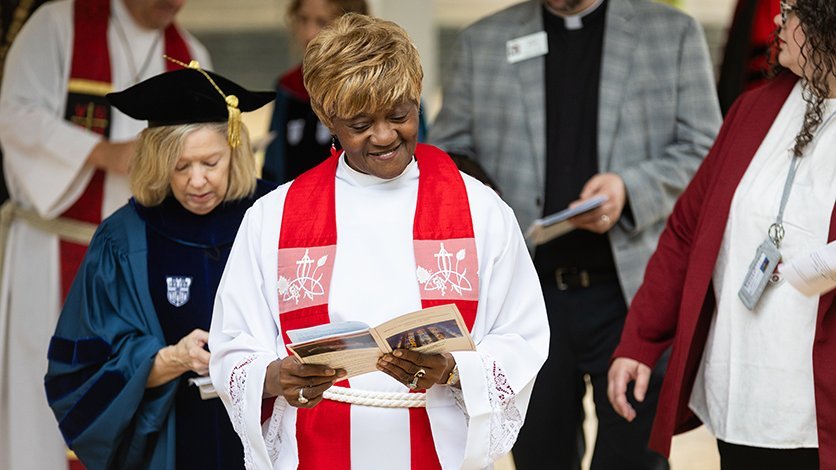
(414, 383)
(605, 219)
(302, 400)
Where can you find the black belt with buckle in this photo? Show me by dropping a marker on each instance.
(576, 278)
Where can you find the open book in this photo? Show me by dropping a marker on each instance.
(355, 347)
(552, 226)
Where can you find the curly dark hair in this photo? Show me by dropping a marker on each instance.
(817, 19)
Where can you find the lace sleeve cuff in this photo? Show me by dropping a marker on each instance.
(244, 389)
(489, 402)
(506, 419)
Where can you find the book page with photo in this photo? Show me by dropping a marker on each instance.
(355, 347)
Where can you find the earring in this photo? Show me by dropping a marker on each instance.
(334, 152)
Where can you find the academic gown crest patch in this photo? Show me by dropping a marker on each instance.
(178, 289)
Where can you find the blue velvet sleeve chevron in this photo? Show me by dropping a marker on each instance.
(102, 352)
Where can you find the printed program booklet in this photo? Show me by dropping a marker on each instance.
(813, 273)
(355, 347)
(552, 226)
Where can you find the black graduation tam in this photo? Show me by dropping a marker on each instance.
(189, 95)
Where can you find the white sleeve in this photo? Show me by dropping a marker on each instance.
(512, 336)
(243, 340)
(44, 156)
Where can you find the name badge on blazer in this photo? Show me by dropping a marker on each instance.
(526, 47)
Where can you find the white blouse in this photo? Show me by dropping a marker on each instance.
(754, 385)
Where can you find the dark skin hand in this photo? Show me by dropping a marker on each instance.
(402, 365)
(287, 376)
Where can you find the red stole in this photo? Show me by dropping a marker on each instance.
(90, 80)
(443, 241)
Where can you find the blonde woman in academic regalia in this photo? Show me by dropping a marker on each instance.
(133, 330)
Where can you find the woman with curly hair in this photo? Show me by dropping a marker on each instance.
(752, 357)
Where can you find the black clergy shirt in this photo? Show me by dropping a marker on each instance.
(573, 72)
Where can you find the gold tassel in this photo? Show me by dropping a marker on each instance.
(234, 125)
(234, 120)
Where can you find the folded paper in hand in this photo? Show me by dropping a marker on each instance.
(812, 273)
(550, 227)
(355, 347)
(204, 385)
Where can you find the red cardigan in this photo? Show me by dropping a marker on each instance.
(675, 303)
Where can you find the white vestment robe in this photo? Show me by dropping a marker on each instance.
(44, 162)
(374, 279)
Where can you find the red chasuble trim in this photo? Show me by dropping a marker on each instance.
(446, 271)
(309, 227)
(442, 217)
(87, 107)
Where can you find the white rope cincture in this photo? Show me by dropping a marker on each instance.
(70, 230)
(378, 399)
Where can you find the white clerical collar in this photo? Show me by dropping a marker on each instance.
(364, 179)
(575, 22)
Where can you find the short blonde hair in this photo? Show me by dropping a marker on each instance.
(158, 150)
(359, 64)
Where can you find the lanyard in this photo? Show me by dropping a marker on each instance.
(776, 230)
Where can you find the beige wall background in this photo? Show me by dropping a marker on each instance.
(216, 14)
(425, 20)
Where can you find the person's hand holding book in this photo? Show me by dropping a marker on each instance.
(302, 385)
(602, 218)
(416, 370)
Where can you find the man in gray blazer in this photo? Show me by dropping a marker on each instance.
(560, 101)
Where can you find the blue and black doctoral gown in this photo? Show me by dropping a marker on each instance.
(149, 278)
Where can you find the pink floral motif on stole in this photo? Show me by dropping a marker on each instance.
(305, 276)
(447, 269)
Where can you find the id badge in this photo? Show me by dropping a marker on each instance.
(758, 274)
(526, 47)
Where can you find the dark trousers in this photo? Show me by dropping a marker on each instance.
(585, 327)
(737, 457)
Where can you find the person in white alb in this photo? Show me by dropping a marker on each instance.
(66, 155)
(375, 217)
